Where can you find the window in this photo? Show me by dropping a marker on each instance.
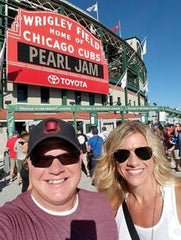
(64, 97)
(45, 94)
(119, 101)
(91, 99)
(111, 100)
(77, 97)
(104, 99)
(22, 93)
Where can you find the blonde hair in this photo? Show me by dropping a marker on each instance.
(106, 175)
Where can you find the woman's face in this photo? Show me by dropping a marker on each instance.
(134, 170)
(23, 145)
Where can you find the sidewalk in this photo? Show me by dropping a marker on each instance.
(10, 191)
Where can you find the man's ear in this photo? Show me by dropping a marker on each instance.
(29, 163)
(81, 158)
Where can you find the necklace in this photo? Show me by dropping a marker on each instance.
(159, 195)
(153, 219)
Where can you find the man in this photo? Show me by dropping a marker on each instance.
(169, 145)
(89, 134)
(12, 154)
(178, 135)
(104, 134)
(83, 147)
(95, 144)
(55, 208)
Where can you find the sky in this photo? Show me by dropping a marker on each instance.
(160, 22)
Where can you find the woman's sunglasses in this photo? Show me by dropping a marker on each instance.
(144, 153)
(22, 143)
(45, 161)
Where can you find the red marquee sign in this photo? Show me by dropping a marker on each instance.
(52, 50)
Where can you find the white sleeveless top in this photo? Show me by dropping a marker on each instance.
(167, 228)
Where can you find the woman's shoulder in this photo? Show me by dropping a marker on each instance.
(178, 200)
(178, 190)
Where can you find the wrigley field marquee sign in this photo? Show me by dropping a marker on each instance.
(50, 49)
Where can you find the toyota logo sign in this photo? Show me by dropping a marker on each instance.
(53, 79)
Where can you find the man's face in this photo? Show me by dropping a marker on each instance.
(54, 187)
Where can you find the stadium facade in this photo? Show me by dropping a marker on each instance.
(58, 60)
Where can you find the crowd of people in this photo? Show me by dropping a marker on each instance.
(170, 136)
(138, 193)
(17, 147)
(92, 146)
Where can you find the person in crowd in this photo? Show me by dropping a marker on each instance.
(177, 129)
(12, 154)
(23, 142)
(104, 134)
(55, 208)
(95, 145)
(159, 131)
(135, 175)
(169, 144)
(20, 157)
(179, 141)
(83, 146)
(89, 134)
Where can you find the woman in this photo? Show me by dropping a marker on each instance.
(20, 157)
(134, 168)
(23, 142)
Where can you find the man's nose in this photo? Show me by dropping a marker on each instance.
(56, 167)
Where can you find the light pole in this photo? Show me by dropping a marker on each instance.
(74, 115)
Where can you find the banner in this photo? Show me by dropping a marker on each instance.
(49, 49)
(162, 116)
(93, 8)
(124, 80)
(115, 28)
(144, 48)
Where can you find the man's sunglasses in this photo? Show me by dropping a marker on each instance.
(144, 153)
(22, 143)
(45, 161)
